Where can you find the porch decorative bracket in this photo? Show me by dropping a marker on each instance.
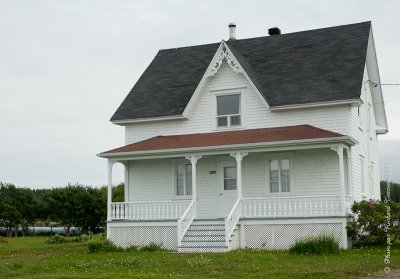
(239, 155)
(225, 54)
(193, 158)
(336, 149)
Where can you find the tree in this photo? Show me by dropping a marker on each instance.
(371, 223)
(394, 191)
(17, 207)
(76, 206)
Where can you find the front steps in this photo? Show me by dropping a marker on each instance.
(204, 237)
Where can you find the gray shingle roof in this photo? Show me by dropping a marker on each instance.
(296, 68)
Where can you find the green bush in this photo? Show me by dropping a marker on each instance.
(56, 239)
(99, 243)
(371, 224)
(151, 247)
(316, 245)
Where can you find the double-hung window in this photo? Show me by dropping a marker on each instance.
(183, 179)
(228, 111)
(230, 178)
(279, 175)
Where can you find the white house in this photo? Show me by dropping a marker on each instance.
(249, 143)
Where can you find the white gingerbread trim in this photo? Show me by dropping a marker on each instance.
(223, 53)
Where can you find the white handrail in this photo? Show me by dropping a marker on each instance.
(149, 210)
(186, 220)
(231, 221)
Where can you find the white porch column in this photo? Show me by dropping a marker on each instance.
(239, 156)
(126, 183)
(193, 160)
(350, 175)
(339, 151)
(109, 189)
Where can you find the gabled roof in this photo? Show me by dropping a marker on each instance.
(228, 138)
(321, 65)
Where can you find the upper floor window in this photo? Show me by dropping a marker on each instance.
(228, 110)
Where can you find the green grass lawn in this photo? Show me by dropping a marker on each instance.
(31, 257)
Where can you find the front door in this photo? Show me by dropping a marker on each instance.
(227, 187)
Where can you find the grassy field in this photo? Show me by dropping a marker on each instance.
(30, 257)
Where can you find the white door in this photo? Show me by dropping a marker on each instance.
(227, 187)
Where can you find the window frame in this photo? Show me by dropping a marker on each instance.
(281, 156)
(229, 178)
(362, 175)
(228, 116)
(174, 169)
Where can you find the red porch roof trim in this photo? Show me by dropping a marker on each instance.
(229, 138)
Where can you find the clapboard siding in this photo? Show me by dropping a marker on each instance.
(255, 114)
(363, 127)
(152, 180)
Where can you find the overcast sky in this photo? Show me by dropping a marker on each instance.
(65, 67)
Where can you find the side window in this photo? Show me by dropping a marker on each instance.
(279, 176)
(228, 111)
(183, 179)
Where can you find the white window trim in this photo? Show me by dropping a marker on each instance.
(224, 92)
(279, 156)
(174, 163)
(362, 175)
(359, 116)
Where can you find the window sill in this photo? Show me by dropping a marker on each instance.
(279, 194)
(183, 197)
(229, 128)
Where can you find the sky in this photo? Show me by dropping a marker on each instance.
(65, 67)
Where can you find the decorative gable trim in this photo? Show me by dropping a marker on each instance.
(223, 53)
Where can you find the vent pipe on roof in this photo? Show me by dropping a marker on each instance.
(232, 32)
(274, 31)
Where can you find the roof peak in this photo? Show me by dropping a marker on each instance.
(268, 36)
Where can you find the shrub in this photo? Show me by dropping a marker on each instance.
(56, 239)
(151, 247)
(371, 224)
(99, 243)
(316, 245)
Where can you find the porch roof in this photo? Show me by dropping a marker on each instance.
(298, 133)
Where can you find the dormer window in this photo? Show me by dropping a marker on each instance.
(228, 111)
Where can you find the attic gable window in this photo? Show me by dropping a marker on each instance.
(228, 111)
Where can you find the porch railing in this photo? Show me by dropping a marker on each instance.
(306, 206)
(231, 220)
(186, 220)
(148, 210)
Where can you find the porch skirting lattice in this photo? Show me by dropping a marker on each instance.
(258, 234)
(281, 237)
(125, 236)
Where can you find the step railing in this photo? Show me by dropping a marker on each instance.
(231, 221)
(301, 206)
(148, 210)
(186, 220)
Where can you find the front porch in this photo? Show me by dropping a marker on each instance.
(204, 197)
(249, 205)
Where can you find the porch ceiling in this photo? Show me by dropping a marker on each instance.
(239, 138)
